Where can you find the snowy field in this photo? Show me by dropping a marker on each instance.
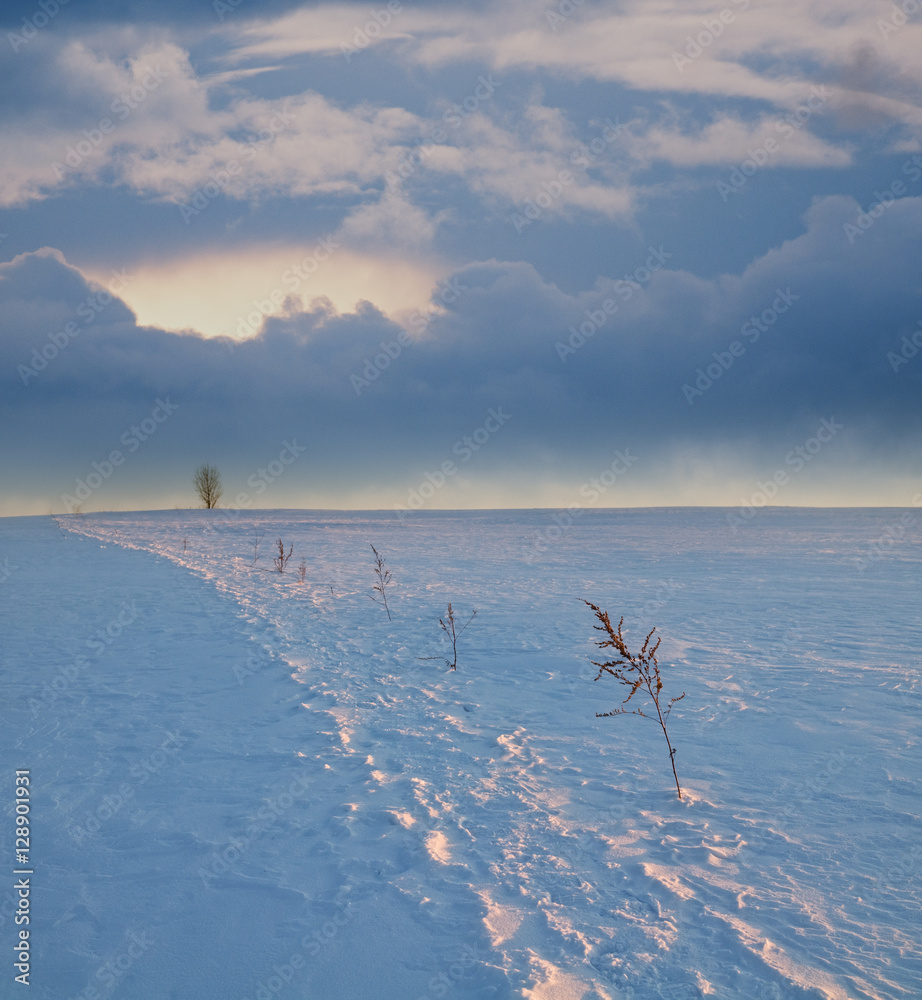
(244, 786)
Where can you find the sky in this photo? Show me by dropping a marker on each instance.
(458, 255)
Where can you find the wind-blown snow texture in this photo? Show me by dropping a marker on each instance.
(248, 787)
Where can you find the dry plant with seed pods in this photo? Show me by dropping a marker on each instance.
(281, 560)
(640, 671)
(449, 627)
(383, 577)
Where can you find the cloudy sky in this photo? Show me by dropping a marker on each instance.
(464, 254)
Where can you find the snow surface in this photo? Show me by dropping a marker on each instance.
(246, 786)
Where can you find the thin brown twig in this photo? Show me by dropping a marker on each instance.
(636, 672)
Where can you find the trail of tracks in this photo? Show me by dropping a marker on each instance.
(506, 856)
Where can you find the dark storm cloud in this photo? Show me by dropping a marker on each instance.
(822, 327)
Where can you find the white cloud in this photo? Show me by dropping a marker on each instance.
(340, 30)
(730, 141)
(391, 222)
(721, 43)
(156, 129)
(188, 127)
(517, 166)
(737, 50)
(300, 146)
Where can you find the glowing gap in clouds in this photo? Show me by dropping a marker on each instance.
(226, 294)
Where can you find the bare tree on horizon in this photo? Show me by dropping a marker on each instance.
(207, 483)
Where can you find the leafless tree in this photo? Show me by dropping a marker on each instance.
(207, 483)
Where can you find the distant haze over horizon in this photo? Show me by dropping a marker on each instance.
(564, 516)
(460, 256)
